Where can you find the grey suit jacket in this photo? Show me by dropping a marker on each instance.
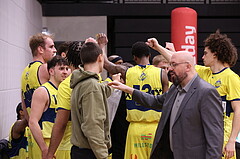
(198, 128)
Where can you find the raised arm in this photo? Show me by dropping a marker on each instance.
(102, 40)
(153, 43)
(18, 128)
(114, 69)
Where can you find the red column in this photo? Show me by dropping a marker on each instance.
(184, 30)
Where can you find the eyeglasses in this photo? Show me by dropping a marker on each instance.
(175, 64)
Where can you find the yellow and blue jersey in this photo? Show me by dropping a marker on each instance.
(145, 78)
(18, 148)
(64, 94)
(143, 121)
(48, 117)
(47, 120)
(227, 84)
(64, 102)
(30, 81)
(108, 79)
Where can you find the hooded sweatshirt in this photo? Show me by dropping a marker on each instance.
(89, 112)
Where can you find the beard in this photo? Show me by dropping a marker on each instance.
(176, 79)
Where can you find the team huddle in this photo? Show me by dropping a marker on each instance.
(172, 109)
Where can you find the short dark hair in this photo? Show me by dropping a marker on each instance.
(38, 40)
(18, 109)
(73, 55)
(90, 52)
(140, 49)
(223, 47)
(56, 60)
(63, 47)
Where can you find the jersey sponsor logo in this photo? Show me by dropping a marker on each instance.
(143, 145)
(26, 75)
(146, 137)
(142, 77)
(218, 83)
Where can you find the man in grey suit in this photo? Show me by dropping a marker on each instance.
(191, 125)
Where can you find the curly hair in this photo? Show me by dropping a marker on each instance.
(223, 47)
(73, 55)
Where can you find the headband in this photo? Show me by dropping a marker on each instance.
(116, 59)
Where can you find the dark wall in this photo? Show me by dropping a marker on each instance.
(128, 23)
(123, 31)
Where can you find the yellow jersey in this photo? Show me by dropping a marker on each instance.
(227, 84)
(48, 117)
(30, 82)
(108, 79)
(64, 102)
(145, 78)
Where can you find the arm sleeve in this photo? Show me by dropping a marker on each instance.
(212, 119)
(233, 92)
(149, 100)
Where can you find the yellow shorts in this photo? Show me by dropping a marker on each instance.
(140, 140)
(34, 150)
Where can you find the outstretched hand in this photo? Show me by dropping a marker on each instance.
(122, 87)
(101, 39)
(116, 84)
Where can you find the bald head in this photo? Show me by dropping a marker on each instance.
(184, 56)
(182, 68)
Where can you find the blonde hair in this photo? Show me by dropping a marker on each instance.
(38, 40)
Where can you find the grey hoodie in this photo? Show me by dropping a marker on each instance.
(89, 112)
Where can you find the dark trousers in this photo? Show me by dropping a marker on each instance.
(77, 153)
(237, 146)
